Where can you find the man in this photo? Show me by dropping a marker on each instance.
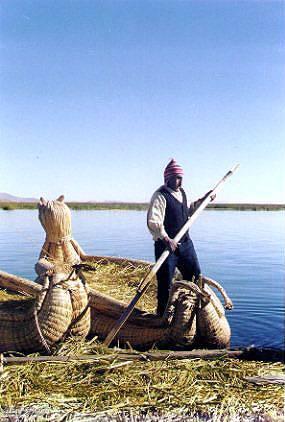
(167, 214)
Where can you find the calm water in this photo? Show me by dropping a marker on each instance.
(242, 250)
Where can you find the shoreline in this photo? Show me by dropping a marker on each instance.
(141, 206)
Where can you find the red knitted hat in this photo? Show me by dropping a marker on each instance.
(172, 169)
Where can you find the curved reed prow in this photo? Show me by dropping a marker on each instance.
(213, 329)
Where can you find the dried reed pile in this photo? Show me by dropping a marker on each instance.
(121, 281)
(216, 387)
(6, 295)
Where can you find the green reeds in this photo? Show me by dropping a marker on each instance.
(141, 206)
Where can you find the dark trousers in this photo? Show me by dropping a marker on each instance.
(185, 259)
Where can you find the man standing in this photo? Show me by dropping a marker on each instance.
(167, 214)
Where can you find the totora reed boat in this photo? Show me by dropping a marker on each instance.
(60, 301)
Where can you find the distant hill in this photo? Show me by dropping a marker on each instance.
(6, 197)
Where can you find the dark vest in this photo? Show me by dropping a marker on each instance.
(176, 214)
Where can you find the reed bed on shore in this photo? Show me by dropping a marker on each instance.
(187, 389)
(140, 206)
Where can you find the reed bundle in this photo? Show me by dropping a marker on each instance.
(55, 217)
(37, 324)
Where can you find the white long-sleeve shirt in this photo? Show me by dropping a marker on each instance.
(156, 211)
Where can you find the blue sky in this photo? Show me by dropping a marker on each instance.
(97, 96)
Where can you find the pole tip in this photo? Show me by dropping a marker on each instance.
(234, 168)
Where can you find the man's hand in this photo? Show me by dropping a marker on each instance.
(213, 197)
(206, 195)
(170, 243)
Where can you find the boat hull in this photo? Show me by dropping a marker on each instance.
(189, 320)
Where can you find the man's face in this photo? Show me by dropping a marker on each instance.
(175, 182)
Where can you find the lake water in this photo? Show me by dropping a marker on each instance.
(242, 250)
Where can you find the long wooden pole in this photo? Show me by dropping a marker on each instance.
(147, 280)
(247, 353)
(124, 356)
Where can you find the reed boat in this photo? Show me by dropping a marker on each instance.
(194, 316)
(60, 301)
